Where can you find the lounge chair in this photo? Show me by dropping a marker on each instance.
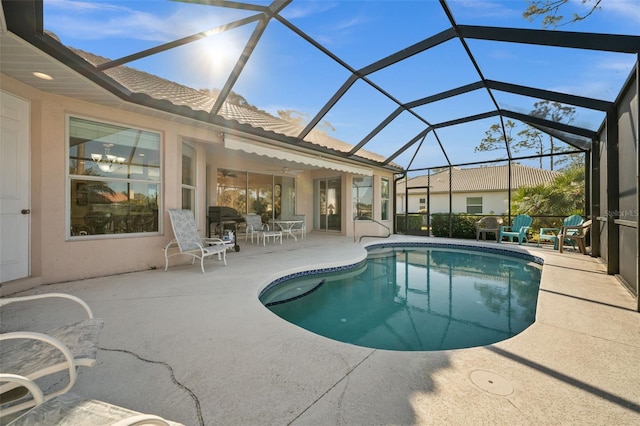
(551, 234)
(71, 409)
(488, 224)
(189, 242)
(518, 229)
(35, 355)
(254, 226)
(576, 233)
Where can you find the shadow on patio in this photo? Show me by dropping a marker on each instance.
(201, 349)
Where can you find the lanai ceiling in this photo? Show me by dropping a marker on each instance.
(418, 83)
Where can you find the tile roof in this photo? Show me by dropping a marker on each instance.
(482, 179)
(137, 81)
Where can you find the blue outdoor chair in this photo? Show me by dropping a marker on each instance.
(518, 229)
(551, 234)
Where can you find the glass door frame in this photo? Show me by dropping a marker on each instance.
(327, 204)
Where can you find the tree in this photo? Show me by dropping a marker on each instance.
(556, 112)
(292, 116)
(234, 99)
(494, 138)
(531, 138)
(549, 10)
(301, 119)
(565, 196)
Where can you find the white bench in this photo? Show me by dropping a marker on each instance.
(276, 235)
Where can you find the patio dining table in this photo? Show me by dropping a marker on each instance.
(287, 226)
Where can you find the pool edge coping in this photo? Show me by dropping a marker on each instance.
(398, 240)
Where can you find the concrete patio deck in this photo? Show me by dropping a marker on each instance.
(235, 363)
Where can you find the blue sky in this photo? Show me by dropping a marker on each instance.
(286, 72)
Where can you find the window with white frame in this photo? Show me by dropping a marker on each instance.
(114, 178)
(188, 177)
(474, 205)
(362, 195)
(422, 204)
(384, 198)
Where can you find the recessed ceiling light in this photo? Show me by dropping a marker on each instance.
(43, 75)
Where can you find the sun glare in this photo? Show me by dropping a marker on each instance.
(209, 61)
(219, 53)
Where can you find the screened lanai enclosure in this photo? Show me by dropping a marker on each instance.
(415, 87)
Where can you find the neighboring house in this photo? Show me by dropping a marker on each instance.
(94, 174)
(478, 190)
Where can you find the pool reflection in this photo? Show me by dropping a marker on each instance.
(420, 299)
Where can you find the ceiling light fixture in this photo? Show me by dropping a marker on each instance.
(107, 162)
(42, 75)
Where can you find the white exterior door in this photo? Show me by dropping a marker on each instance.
(14, 187)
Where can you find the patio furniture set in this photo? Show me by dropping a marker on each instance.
(188, 241)
(264, 232)
(29, 358)
(573, 231)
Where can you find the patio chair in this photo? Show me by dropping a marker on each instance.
(551, 234)
(36, 355)
(488, 224)
(518, 229)
(71, 409)
(189, 242)
(576, 233)
(254, 226)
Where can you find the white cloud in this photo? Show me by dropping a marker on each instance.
(620, 65)
(82, 6)
(501, 54)
(340, 32)
(623, 11)
(307, 8)
(350, 23)
(629, 9)
(589, 89)
(485, 8)
(79, 19)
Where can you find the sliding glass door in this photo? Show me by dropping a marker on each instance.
(327, 204)
(270, 196)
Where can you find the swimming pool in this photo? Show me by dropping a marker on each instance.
(414, 297)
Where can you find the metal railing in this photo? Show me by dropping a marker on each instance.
(370, 236)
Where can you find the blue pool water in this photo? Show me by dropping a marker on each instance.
(414, 298)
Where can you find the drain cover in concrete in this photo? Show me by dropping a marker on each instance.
(491, 382)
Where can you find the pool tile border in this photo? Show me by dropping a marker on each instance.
(492, 250)
(309, 273)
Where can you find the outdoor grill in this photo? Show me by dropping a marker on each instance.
(224, 218)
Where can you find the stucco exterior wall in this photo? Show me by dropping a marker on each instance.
(55, 257)
(492, 202)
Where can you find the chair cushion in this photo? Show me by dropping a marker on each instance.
(28, 357)
(213, 249)
(71, 409)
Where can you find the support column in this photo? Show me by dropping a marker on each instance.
(613, 192)
(592, 208)
(637, 212)
(450, 202)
